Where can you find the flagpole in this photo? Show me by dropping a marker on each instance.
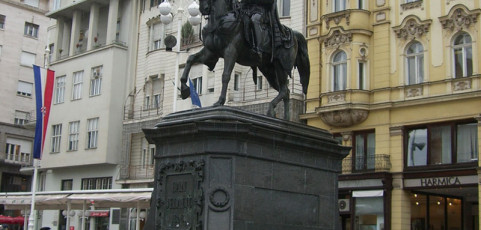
(33, 216)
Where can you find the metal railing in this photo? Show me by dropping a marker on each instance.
(376, 163)
(142, 112)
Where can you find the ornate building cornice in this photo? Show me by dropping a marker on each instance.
(412, 27)
(337, 37)
(412, 5)
(459, 17)
(337, 17)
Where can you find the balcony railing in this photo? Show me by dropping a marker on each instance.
(142, 112)
(137, 172)
(377, 163)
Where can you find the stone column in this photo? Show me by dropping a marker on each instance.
(59, 43)
(112, 21)
(75, 32)
(93, 24)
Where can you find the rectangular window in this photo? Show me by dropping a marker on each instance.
(67, 185)
(73, 137)
(157, 44)
(364, 151)
(198, 85)
(56, 137)
(442, 144)
(56, 5)
(12, 151)
(27, 59)
(362, 75)
(236, 81)
(96, 183)
(156, 101)
(147, 102)
(31, 30)
(284, 8)
(77, 85)
(152, 155)
(51, 49)
(361, 4)
(33, 3)
(259, 83)
(92, 132)
(339, 5)
(21, 118)
(60, 89)
(2, 21)
(24, 88)
(144, 158)
(96, 81)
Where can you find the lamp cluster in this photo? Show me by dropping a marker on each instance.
(166, 14)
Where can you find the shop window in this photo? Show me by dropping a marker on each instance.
(339, 71)
(364, 151)
(369, 213)
(415, 63)
(463, 55)
(435, 144)
(435, 212)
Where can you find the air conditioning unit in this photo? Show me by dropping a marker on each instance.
(343, 205)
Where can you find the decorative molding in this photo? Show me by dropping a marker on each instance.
(337, 97)
(414, 91)
(396, 131)
(381, 16)
(219, 199)
(337, 17)
(412, 27)
(184, 196)
(313, 31)
(344, 118)
(380, 3)
(337, 37)
(464, 84)
(412, 5)
(459, 18)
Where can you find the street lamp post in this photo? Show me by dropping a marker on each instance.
(165, 9)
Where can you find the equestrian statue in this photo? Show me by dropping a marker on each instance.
(249, 33)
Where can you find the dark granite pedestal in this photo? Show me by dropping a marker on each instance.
(226, 169)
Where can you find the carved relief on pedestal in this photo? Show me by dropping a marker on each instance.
(462, 85)
(412, 27)
(344, 118)
(459, 18)
(337, 37)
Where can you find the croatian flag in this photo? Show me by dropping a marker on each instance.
(44, 79)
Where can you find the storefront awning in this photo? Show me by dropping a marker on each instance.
(55, 200)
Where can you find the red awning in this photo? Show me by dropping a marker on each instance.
(18, 220)
(6, 220)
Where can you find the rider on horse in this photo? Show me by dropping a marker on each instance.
(257, 14)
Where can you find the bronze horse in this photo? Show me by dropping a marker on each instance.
(223, 37)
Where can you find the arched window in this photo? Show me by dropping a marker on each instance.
(463, 56)
(415, 63)
(339, 71)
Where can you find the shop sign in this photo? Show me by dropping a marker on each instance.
(440, 181)
(99, 213)
(447, 181)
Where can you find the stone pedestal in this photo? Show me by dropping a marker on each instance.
(226, 169)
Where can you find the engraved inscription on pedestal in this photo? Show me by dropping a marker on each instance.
(180, 202)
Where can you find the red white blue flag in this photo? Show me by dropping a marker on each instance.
(44, 79)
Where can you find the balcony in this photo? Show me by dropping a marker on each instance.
(142, 112)
(137, 172)
(348, 20)
(344, 108)
(362, 164)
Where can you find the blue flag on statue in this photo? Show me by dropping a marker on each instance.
(193, 95)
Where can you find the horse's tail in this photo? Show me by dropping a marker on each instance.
(302, 61)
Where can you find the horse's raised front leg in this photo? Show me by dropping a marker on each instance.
(229, 64)
(193, 59)
(283, 94)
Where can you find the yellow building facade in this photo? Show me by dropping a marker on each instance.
(400, 82)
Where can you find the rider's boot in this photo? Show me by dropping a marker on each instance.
(256, 25)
